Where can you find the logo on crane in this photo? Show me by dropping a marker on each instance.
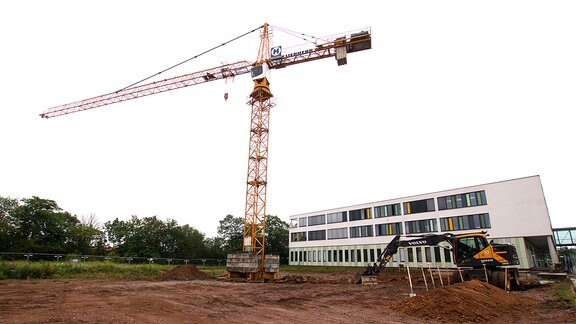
(276, 52)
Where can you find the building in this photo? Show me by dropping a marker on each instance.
(512, 211)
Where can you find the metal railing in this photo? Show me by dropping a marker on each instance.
(36, 257)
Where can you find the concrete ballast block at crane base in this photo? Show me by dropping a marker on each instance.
(241, 263)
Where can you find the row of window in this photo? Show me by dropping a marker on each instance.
(454, 223)
(470, 199)
(408, 254)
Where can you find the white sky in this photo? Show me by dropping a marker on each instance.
(453, 94)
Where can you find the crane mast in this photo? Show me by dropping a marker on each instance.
(261, 102)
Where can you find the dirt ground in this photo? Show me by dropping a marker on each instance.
(186, 295)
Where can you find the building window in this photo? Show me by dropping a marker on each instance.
(302, 222)
(338, 233)
(389, 229)
(447, 255)
(387, 210)
(298, 237)
(428, 254)
(419, 206)
(293, 223)
(477, 198)
(316, 220)
(467, 222)
(361, 231)
(402, 252)
(421, 226)
(316, 235)
(410, 254)
(338, 217)
(418, 254)
(437, 254)
(360, 214)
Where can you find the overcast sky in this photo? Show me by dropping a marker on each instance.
(453, 94)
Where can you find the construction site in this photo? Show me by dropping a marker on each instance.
(188, 295)
(255, 289)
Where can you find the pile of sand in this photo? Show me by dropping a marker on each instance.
(185, 272)
(470, 301)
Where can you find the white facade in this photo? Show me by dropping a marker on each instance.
(512, 211)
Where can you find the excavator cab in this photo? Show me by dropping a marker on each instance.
(467, 247)
(473, 250)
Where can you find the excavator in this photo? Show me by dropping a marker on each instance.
(474, 256)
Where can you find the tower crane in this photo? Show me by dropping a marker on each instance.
(260, 100)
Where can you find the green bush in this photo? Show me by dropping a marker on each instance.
(25, 270)
(81, 270)
(564, 294)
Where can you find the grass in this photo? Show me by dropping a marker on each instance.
(80, 270)
(564, 293)
(111, 270)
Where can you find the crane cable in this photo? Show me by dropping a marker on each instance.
(195, 56)
(305, 37)
(302, 36)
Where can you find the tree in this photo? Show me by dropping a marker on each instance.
(88, 237)
(118, 234)
(151, 237)
(7, 206)
(215, 248)
(41, 226)
(568, 257)
(190, 243)
(276, 236)
(231, 231)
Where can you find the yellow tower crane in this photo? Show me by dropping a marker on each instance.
(251, 262)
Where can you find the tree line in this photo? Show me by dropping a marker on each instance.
(40, 226)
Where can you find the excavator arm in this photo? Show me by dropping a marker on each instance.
(392, 248)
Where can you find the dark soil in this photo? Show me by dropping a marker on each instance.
(185, 272)
(188, 295)
(470, 301)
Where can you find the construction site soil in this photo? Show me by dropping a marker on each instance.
(187, 295)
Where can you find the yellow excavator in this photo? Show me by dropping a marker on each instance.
(475, 257)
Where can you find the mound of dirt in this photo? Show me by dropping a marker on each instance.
(470, 301)
(185, 272)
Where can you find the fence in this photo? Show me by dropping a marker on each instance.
(34, 257)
